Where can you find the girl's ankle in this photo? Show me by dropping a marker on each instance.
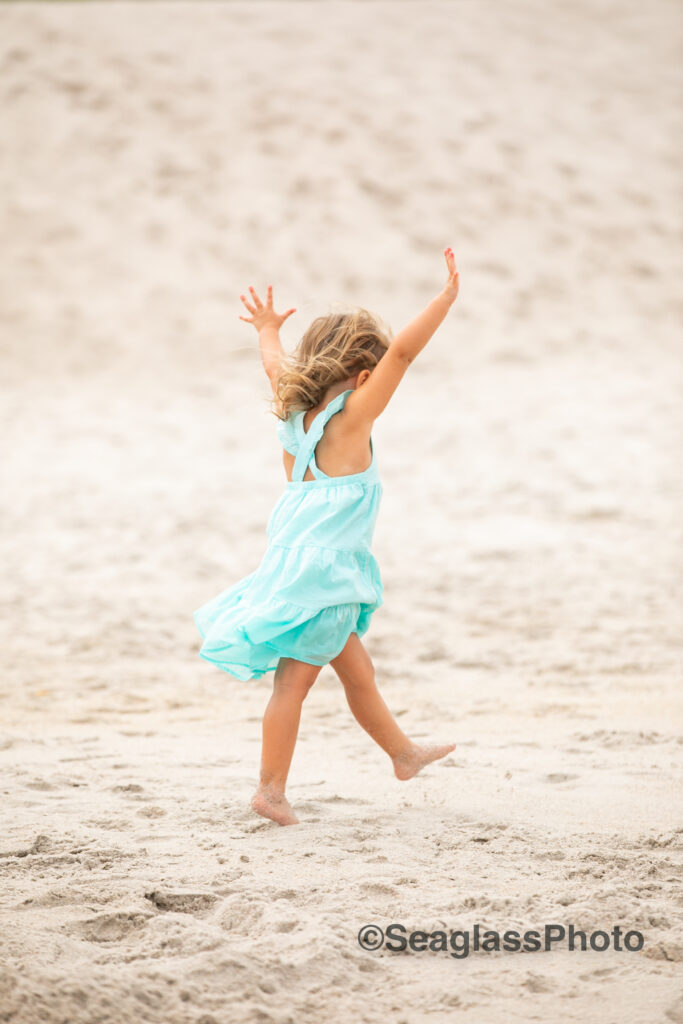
(272, 789)
(409, 751)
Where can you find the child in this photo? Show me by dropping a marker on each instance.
(312, 597)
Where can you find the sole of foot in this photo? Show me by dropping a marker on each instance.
(275, 808)
(408, 765)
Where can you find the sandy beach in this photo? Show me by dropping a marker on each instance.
(158, 158)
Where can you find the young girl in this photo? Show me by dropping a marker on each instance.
(312, 597)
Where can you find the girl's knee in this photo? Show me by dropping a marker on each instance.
(362, 679)
(295, 677)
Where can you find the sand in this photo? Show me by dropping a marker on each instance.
(156, 160)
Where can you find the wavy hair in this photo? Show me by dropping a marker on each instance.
(333, 348)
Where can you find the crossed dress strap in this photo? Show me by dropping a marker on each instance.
(308, 439)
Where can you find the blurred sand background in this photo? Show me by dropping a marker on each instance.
(155, 161)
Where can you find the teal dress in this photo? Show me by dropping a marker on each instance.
(318, 580)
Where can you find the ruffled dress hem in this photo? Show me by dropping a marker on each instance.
(242, 656)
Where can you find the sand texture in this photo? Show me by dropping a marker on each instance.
(157, 159)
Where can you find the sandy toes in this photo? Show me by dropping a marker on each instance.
(275, 807)
(408, 765)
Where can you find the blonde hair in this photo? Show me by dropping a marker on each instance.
(333, 348)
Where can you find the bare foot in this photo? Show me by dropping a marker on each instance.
(274, 806)
(407, 765)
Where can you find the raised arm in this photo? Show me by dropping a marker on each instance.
(372, 396)
(271, 352)
(267, 322)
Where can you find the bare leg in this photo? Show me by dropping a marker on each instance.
(357, 674)
(293, 679)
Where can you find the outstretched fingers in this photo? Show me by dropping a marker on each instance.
(259, 310)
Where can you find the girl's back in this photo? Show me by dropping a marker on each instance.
(342, 450)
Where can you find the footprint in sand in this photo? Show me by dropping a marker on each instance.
(41, 844)
(241, 914)
(285, 926)
(151, 812)
(109, 927)
(537, 983)
(41, 784)
(379, 889)
(487, 832)
(179, 902)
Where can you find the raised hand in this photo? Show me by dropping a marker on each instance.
(451, 287)
(264, 316)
